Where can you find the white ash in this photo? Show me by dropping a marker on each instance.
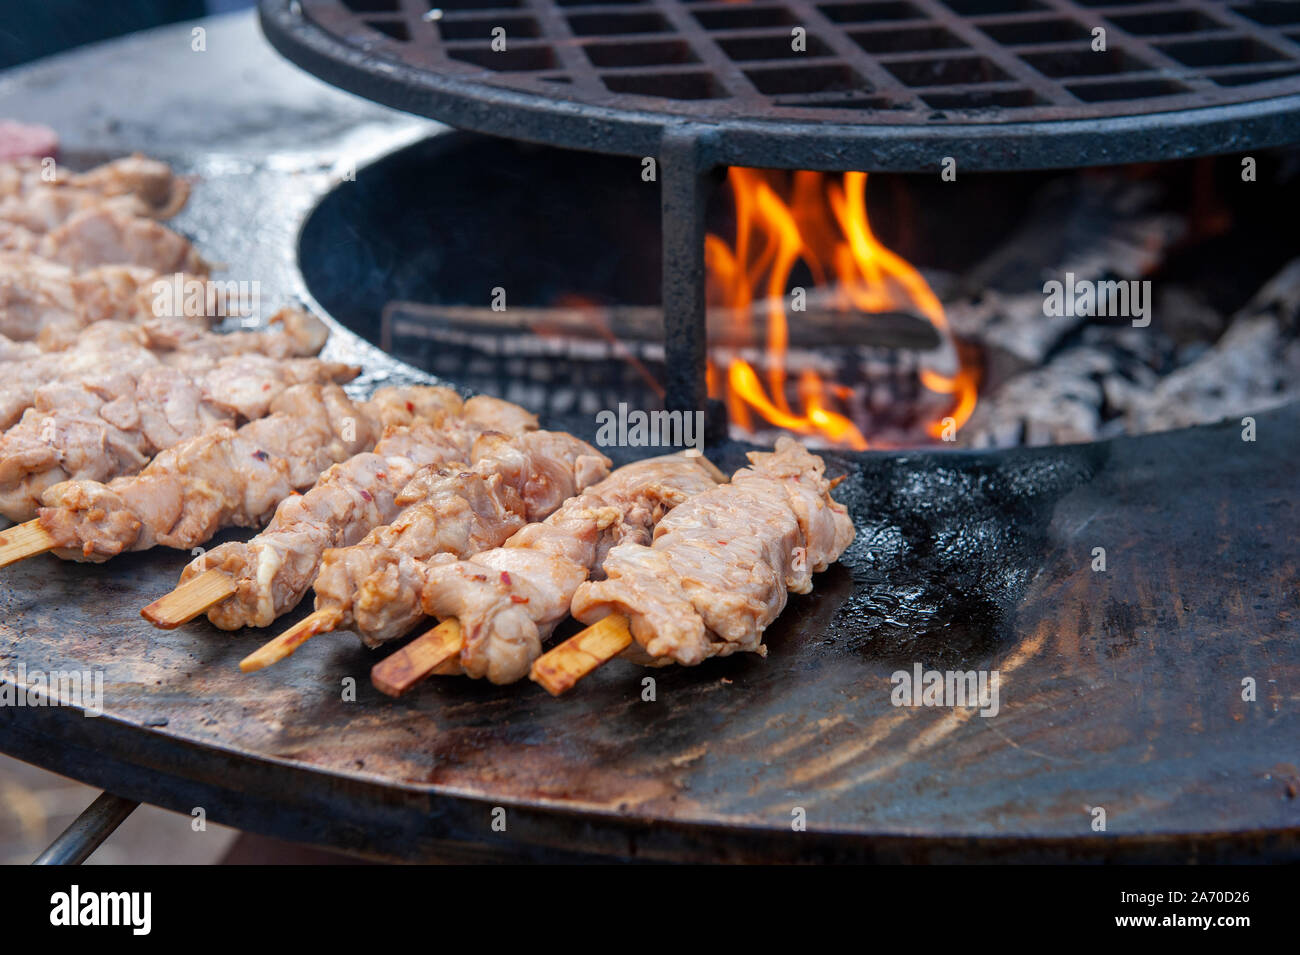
(1115, 379)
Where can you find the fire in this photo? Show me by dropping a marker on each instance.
(824, 226)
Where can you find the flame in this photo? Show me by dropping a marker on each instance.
(824, 226)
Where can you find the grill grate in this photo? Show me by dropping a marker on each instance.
(879, 85)
(882, 61)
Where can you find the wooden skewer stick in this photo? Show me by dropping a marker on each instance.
(560, 668)
(273, 651)
(25, 540)
(425, 655)
(189, 599)
(449, 667)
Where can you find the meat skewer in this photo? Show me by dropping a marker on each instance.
(373, 586)
(289, 333)
(223, 478)
(105, 216)
(498, 606)
(133, 349)
(104, 235)
(251, 583)
(151, 185)
(50, 303)
(112, 424)
(716, 574)
(41, 209)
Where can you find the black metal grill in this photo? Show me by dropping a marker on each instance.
(911, 58)
(942, 68)
(883, 85)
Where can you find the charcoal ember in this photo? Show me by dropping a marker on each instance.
(1081, 394)
(1253, 367)
(1120, 394)
(1280, 297)
(1099, 228)
(1059, 403)
(1186, 317)
(1014, 331)
(1140, 354)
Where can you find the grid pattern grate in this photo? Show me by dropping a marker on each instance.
(879, 61)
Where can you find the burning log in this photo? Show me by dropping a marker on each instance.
(1116, 380)
(822, 325)
(1253, 367)
(1093, 228)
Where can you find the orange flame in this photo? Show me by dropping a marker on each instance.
(824, 225)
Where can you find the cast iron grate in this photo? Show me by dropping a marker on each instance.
(879, 85)
(882, 61)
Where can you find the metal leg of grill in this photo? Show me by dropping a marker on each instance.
(687, 178)
(95, 824)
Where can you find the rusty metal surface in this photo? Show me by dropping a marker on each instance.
(1119, 689)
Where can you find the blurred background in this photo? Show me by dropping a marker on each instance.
(29, 31)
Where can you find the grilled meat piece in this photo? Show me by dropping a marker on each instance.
(455, 509)
(151, 185)
(720, 566)
(289, 333)
(274, 570)
(509, 599)
(224, 477)
(110, 424)
(127, 348)
(155, 187)
(41, 210)
(12, 351)
(104, 235)
(48, 302)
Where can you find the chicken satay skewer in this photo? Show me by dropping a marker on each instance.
(289, 333)
(112, 349)
(103, 234)
(106, 426)
(224, 478)
(716, 574)
(106, 215)
(434, 652)
(40, 299)
(203, 586)
(274, 570)
(497, 607)
(560, 670)
(453, 509)
(153, 187)
(34, 536)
